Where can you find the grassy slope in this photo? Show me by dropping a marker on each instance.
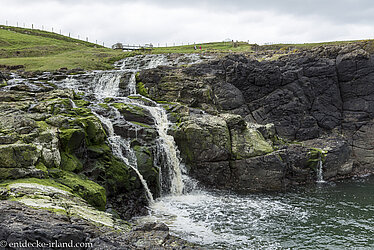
(41, 50)
(229, 47)
(224, 47)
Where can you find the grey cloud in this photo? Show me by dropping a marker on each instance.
(342, 11)
(143, 21)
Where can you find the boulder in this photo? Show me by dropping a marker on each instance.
(204, 138)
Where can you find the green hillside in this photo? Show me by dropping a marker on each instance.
(244, 47)
(42, 50)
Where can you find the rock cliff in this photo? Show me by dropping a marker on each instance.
(263, 125)
(239, 123)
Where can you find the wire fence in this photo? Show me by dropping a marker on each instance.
(102, 43)
(54, 30)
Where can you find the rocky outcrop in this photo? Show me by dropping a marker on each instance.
(314, 97)
(226, 152)
(76, 226)
(239, 124)
(58, 174)
(48, 133)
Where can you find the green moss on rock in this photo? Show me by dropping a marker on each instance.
(82, 103)
(99, 150)
(92, 192)
(72, 139)
(45, 182)
(95, 133)
(70, 162)
(145, 166)
(18, 155)
(3, 83)
(248, 142)
(41, 167)
(316, 155)
(118, 176)
(141, 89)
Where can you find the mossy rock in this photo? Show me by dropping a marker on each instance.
(59, 105)
(104, 105)
(316, 155)
(204, 138)
(141, 89)
(95, 133)
(72, 139)
(70, 162)
(96, 151)
(41, 167)
(92, 192)
(18, 155)
(79, 112)
(119, 177)
(82, 103)
(134, 113)
(45, 182)
(3, 83)
(145, 165)
(248, 142)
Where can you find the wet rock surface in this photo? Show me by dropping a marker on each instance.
(21, 223)
(316, 93)
(239, 124)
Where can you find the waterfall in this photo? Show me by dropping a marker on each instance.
(120, 83)
(320, 171)
(168, 148)
(107, 85)
(118, 145)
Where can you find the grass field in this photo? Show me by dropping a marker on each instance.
(223, 47)
(240, 47)
(41, 50)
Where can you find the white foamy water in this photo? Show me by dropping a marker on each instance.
(121, 148)
(169, 149)
(223, 220)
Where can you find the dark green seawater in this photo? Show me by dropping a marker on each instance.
(323, 216)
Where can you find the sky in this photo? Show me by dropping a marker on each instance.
(170, 22)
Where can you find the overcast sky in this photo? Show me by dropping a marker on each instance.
(188, 21)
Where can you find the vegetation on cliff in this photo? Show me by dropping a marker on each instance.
(41, 50)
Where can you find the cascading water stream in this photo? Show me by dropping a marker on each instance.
(320, 171)
(120, 83)
(167, 144)
(118, 144)
(330, 217)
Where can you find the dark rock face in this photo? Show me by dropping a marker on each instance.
(324, 92)
(21, 223)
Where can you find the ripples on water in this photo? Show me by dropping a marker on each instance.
(326, 216)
